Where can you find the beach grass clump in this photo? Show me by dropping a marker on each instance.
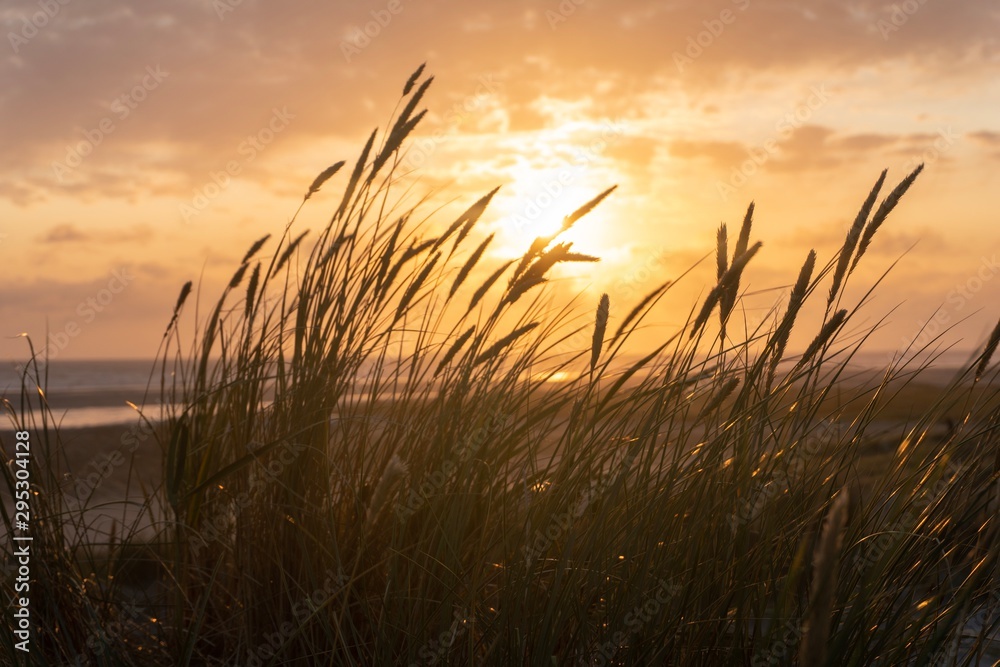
(366, 460)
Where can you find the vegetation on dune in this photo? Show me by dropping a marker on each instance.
(364, 463)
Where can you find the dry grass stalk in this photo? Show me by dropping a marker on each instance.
(743, 242)
(826, 561)
(324, 176)
(600, 327)
(728, 299)
(466, 221)
(884, 209)
(185, 292)
(413, 79)
(730, 278)
(487, 284)
(991, 347)
(251, 291)
(721, 252)
(720, 397)
(795, 302)
(539, 245)
(535, 275)
(853, 234)
(402, 128)
(238, 276)
(463, 273)
(640, 307)
(499, 346)
(823, 337)
(288, 251)
(571, 219)
(254, 248)
(453, 350)
(352, 184)
(393, 472)
(415, 286)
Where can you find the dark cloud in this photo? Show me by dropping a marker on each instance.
(62, 234)
(889, 242)
(815, 147)
(70, 233)
(866, 142)
(986, 137)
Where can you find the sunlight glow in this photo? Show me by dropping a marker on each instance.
(569, 167)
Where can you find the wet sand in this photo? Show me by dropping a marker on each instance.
(105, 468)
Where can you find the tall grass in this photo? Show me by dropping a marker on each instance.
(364, 463)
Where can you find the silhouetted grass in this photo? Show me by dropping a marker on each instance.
(364, 464)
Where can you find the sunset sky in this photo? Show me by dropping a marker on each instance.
(146, 144)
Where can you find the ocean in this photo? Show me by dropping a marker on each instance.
(87, 393)
(94, 393)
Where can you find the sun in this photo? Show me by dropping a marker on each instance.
(551, 174)
(538, 207)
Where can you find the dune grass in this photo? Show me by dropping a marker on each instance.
(364, 463)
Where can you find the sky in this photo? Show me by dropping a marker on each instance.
(149, 144)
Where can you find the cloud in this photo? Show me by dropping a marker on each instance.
(63, 234)
(685, 127)
(226, 73)
(888, 242)
(70, 233)
(866, 142)
(722, 154)
(811, 148)
(986, 137)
